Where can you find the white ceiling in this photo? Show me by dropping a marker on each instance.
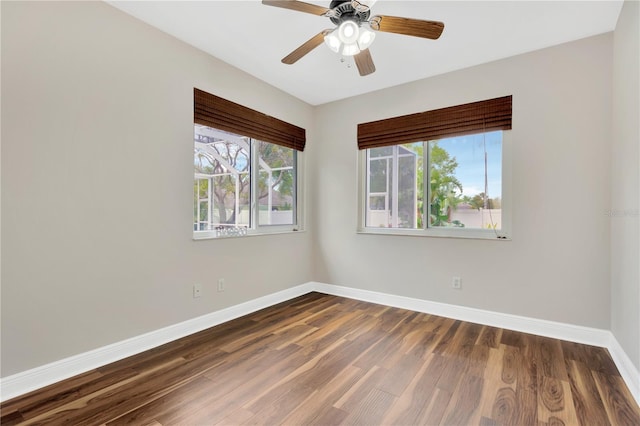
(254, 37)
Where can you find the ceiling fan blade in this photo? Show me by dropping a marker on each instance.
(305, 48)
(364, 62)
(407, 26)
(299, 6)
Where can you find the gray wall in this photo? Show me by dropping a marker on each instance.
(625, 183)
(557, 266)
(97, 147)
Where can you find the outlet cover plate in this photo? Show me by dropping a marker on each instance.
(197, 291)
(456, 283)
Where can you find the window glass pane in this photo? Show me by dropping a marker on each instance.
(466, 181)
(223, 159)
(381, 152)
(200, 204)
(394, 176)
(378, 188)
(378, 174)
(407, 191)
(377, 202)
(276, 184)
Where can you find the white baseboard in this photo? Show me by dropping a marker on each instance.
(36, 378)
(21, 383)
(627, 370)
(556, 330)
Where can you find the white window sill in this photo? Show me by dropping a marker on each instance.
(211, 235)
(474, 234)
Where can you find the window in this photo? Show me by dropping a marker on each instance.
(448, 184)
(242, 183)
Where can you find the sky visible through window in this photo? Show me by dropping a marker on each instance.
(469, 153)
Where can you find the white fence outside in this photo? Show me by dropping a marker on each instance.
(471, 218)
(483, 218)
(273, 217)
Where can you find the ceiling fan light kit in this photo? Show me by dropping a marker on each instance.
(351, 37)
(353, 34)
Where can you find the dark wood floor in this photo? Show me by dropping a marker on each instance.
(322, 359)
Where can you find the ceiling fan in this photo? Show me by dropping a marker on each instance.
(352, 35)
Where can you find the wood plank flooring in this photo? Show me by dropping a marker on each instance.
(327, 360)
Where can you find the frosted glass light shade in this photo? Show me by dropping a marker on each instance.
(333, 41)
(348, 32)
(350, 49)
(366, 38)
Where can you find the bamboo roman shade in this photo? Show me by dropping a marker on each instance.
(213, 111)
(475, 117)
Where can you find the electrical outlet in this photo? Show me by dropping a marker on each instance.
(197, 290)
(456, 282)
(220, 284)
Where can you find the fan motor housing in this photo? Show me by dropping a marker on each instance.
(344, 11)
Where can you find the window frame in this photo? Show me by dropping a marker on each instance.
(255, 228)
(441, 232)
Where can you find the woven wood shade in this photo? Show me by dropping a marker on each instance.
(213, 111)
(475, 117)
